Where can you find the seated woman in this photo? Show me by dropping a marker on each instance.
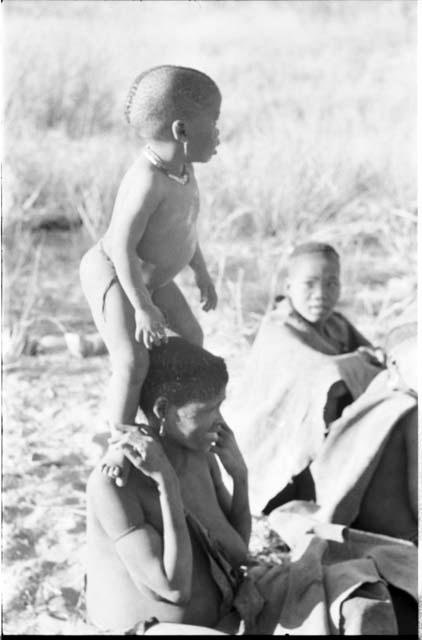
(171, 546)
(307, 363)
(155, 545)
(366, 475)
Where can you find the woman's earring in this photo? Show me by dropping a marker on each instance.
(185, 147)
(161, 429)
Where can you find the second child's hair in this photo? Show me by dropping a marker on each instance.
(182, 372)
(308, 248)
(163, 94)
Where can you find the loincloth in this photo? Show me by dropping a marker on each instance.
(98, 275)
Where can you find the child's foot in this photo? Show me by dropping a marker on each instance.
(116, 465)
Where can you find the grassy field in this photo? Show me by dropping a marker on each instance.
(318, 130)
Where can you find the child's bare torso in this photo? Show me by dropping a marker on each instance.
(170, 237)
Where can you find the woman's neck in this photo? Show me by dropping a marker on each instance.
(176, 454)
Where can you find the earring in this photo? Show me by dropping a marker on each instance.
(185, 147)
(161, 428)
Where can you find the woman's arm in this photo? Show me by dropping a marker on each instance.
(235, 507)
(159, 562)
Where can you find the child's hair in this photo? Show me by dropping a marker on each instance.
(182, 372)
(163, 94)
(399, 334)
(308, 248)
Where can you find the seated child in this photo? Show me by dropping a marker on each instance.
(307, 362)
(128, 276)
(170, 546)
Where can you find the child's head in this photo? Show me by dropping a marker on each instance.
(176, 103)
(313, 280)
(185, 386)
(402, 353)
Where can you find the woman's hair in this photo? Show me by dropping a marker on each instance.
(163, 94)
(182, 372)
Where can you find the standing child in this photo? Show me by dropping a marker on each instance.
(128, 276)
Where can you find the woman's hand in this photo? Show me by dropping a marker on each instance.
(228, 451)
(150, 326)
(146, 453)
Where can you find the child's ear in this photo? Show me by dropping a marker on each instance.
(160, 408)
(178, 130)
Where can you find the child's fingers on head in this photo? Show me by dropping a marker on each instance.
(138, 334)
(147, 341)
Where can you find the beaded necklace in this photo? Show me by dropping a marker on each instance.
(155, 159)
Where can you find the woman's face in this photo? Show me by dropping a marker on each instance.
(195, 425)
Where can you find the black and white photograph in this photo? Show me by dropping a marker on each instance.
(209, 317)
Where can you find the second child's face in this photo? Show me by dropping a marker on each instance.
(313, 286)
(195, 425)
(203, 134)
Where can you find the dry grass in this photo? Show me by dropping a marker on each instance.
(317, 128)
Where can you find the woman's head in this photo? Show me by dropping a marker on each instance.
(183, 391)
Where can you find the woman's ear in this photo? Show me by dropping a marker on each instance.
(160, 408)
(178, 130)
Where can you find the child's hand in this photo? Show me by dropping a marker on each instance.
(207, 290)
(150, 326)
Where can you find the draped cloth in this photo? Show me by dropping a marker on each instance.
(345, 465)
(337, 582)
(277, 409)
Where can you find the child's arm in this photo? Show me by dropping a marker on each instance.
(132, 212)
(203, 280)
(159, 562)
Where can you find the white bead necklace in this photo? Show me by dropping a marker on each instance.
(155, 159)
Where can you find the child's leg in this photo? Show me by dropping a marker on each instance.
(129, 359)
(178, 313)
